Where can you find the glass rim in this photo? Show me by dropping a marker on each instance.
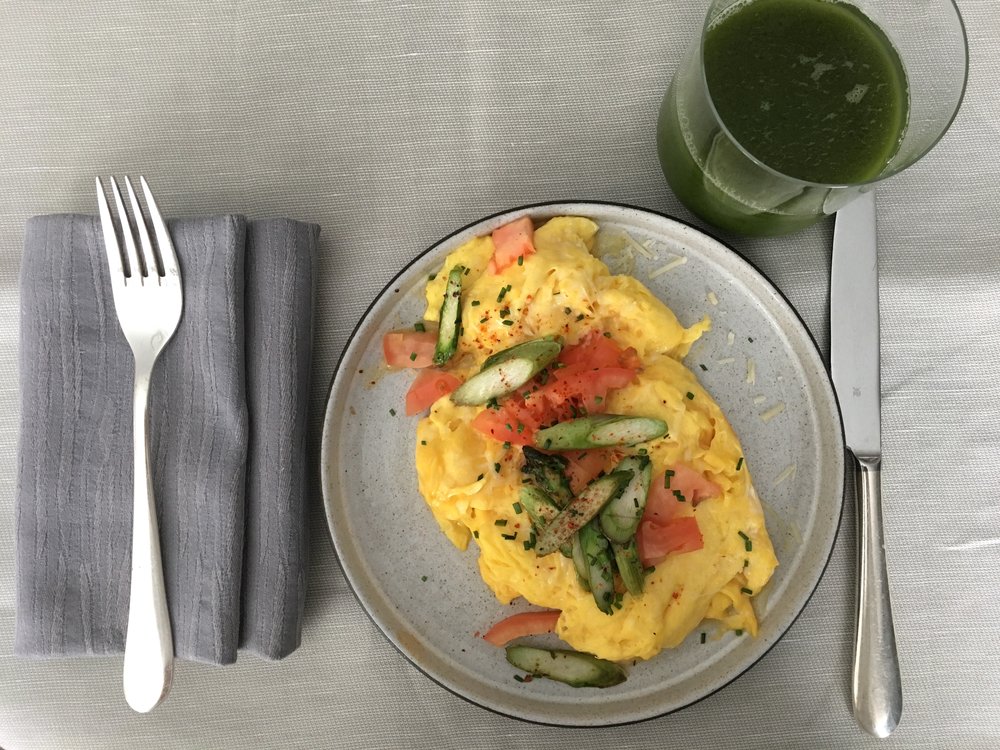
(829, 185)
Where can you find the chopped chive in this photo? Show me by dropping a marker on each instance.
(474, 303)
(704, 369)
(598, 399)
(492, 403)
(643, 452)
(423, 442)
(509, 428)
(690, 396)
(580, 317)
(505, 312)
(739, 631)
(739, 464)
(392, 412)
(423, 578)
(432, 277)
(518, 678)
(666, 478)
(466, 271)
(483, 320)
(520, 260)
(510, 537)
(679, 495)
(500, 522)
(475, 533)
(503, 293)
(419, 327)
(746, 563)
(750, 339)
(508, 322)
(567, 310)
(413, 356)
(702, 637)
(748, 592)
(520, 429)
(607, 334)
(506, 446)
(496, 468)
(479, 478)
(747, 544)
(516, 507)
(649, 570)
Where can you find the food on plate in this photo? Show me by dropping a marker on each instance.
(564, 435)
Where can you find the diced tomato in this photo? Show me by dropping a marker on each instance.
(511, 423)
(657, 540)
(595, 349)
(573, 388)
(692, 484)
(430, 385)
(518, 626)
(661, 502)
(511, 241)
(584, 466)
(409, 348)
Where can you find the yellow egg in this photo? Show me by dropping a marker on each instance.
(471, 481)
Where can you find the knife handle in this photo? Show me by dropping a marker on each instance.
(877, 690)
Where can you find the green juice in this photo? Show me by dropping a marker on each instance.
(812, 89)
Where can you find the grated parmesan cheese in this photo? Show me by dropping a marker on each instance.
(758, 400)
(730, 338)
(712, 299)
(726, 360)
(679, 260)
(751, 371)
(784, 476)
(773, 412)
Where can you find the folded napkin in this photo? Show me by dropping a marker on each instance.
(228, 417)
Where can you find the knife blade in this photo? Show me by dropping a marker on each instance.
(876, 687)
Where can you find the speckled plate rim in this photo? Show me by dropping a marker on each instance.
(355, 571)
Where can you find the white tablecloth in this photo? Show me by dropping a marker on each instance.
(393, 123)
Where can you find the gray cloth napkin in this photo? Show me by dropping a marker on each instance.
(228, 418)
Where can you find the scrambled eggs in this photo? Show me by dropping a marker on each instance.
(471, 481)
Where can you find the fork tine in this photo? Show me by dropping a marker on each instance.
(131, 254)
(149, 263)
(117, 264)
(164, 244)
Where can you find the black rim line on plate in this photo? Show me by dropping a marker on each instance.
(431, 249)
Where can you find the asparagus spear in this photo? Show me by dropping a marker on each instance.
(600, 431)
(571, 667)
(549, 473)
(620, 518)
(508, 374)
(579, 512)
(451, 313)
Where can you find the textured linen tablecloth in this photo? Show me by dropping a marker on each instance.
(392, 123)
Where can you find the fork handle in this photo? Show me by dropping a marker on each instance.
(149, 649)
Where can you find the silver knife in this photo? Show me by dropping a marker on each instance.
(876, 688)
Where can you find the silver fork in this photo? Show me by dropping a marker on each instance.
(148, 300)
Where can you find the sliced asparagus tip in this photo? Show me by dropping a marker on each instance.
(549, 473)
(451, 314)
(599, 573)
(580, 511)
(629, 566)
(600, 431)
(564, 665)
(540, 507)
(505, 376)
(620, 518)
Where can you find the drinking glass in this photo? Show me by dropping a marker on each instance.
(721, 181)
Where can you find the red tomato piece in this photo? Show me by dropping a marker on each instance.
(511, 423)
(657, 540)
(430, 385)
(661, 502)
(409, 348)
(512, 241)
(595, 350)
(584, 466)
(692, 484)
(518, 626)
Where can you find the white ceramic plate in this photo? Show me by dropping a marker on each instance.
(428, 598)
